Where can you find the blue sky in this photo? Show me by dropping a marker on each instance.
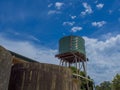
(33, 27)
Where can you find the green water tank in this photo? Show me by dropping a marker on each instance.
(72, 44)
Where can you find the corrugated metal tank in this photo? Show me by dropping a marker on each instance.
(72, 44)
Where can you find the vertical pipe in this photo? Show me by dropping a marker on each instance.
(79, 67)
(69, 64)
(66, 63)
(84, 67)
(60, 62)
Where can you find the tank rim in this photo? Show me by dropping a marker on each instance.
(71, 36)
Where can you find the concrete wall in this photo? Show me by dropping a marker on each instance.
(37, 76)
(5, 68)
(34, 76)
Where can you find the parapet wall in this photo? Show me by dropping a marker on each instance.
(37, 76)
(5, 68)
(33, 76)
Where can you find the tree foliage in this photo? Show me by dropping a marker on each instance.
(107, 85)
(83, 82)
(116, 82)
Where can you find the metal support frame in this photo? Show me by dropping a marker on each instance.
(79, 65)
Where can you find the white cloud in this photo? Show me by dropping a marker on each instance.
(50, 12)
(69, 23)
(25, 48)
(107, 36)
(103, 57)
(58, 5)
(11, 31)
(72, 17)
(100, 5)
(88, 9)
(49, 5)
(98, 24)
(33, 38)
(75, 29)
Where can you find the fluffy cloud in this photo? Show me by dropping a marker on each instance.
(69, 23)
(50, 12)
(103, 55)
(75, 29)
(98, 24)
(25, 48)
(72, 17)
(58, 5)
(88, 9)
(103, 58)
(100, 5)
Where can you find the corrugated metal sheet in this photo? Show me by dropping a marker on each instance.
(72, 44)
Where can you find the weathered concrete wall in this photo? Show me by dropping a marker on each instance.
(37, 76)
(5, 68)
(75, 84)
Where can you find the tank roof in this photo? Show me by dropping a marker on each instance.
(22, 57)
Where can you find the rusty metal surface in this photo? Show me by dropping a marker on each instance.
(69, 57)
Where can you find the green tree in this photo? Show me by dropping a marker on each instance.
(116, 82)
(83, 81)
(106, 85)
